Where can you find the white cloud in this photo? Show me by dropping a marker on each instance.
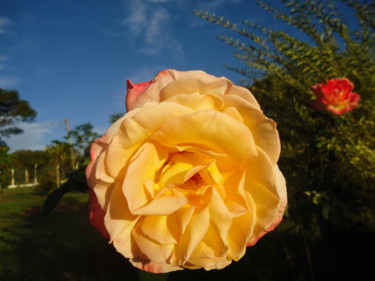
(156, 27)
(5, 23)
(33, 137)
(137, 20)
(8, 82)
(216, 4)
(149, 23)
(158, 1)
(2, 60)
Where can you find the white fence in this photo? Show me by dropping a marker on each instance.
(26, 182)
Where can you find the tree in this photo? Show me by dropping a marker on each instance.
(83, 135)
(81, 138)
(115, 116)
(12, 110)
(328, 160)
(32, 162)
(58, 155)
(6, 162)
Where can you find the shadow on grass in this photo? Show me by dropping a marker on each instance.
(62, 247)
(65, 247)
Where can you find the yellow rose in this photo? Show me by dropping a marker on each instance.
(187, 178)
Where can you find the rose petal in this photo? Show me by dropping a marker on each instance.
(196, 82)
(267, 188)
(208, 129)
(134, 92)
(142, 166)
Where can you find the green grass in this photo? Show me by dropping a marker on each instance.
(62, 246)
(65, 247)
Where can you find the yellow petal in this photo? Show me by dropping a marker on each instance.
(143, 166)
(183, 217)
(197, 102)
(211, 130)
(250, 113)
(150, 249)
(196, 82)
(240, 231)
(162, 79)
(117, 157)
(193, 235)
(220, 216)
(213, 247)
(162, 229)
(267, 188)
(281, 189)
(260, 170)
(233, 183)
(263, 129)
(137, 128)
(163, 204)
(118, 217)
(210, 252)
(175, 174)
(153, 267)
(233, 112)
(267, 138)
(243, 93)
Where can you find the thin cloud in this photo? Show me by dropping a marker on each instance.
(157, 21)
(8, 82)
(137, 20)
(216, 4)
(32, 138)
(159, 1)
(110, 33)
(2, 60)
(5, 23)
(149, 24)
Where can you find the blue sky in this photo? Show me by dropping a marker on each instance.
(71, 58)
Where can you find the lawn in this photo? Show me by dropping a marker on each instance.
(62, 246)
(65, 247)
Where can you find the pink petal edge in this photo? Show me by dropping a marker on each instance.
(97, 215)
(134, 91)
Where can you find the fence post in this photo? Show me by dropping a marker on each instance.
(13, 183)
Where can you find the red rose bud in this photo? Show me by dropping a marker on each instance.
(335, 96)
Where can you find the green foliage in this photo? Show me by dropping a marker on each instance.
(76, 181)
(6, 161)
(12, 110)
(82, 136)
(63, 246)
(328, 160)
(114, 117)
(62, 153)
(36, 162)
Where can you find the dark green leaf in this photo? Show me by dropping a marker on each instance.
(54, 198)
